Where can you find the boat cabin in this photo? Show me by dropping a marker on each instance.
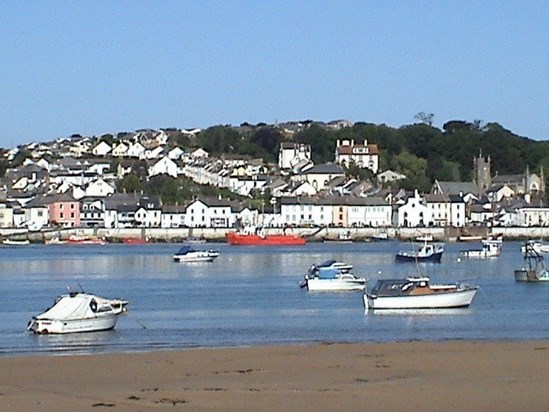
(408, 287)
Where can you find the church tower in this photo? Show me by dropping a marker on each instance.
(482, 172)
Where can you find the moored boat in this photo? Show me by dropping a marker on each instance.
(188, 254)
(85, 240)
(428, 252)
(534, 269)
(195, 240)
(417, 292)
(342, 281)
(135, 240)
(490, 248)
(15, 242)
(55, 241)
(244, 239)
(331, 265)
(332, 275)
(78, 312)
(380, 237)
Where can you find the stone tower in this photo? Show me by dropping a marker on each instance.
(482, 175)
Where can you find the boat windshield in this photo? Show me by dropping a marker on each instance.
(327, 263)
(184, 250)
(392, 287)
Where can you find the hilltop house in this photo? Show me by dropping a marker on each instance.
(290, 154)
(365, 156)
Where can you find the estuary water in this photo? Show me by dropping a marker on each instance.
(250, 296)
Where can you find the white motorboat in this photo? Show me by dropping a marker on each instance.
(14, 242)
(331, 266)
(188, 254)
(490, 248)
(341, 281)
(418, 293)
(78, 312)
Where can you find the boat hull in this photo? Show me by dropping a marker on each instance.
(524, 275)
(267, 240)
(405, 257)
(479, 254)
(457, 299)
(53, 326)
(335, 285)
(189, 259)
(134, 241)
(99, 242)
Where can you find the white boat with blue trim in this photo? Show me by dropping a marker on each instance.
(188, 254)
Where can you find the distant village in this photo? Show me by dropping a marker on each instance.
(71, 183)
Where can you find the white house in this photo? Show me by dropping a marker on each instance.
(365, 156)
(148, 216)
(120, 150)
(92, 212)
(164, 166)
(290, 154)
(243, 185)
(176, 153)
(98, 188)
(532, 216)
(319, 176)
(153, 153)
(369, 212)
(209, 212)
(102, 149)
(36, 213)
(305, 211)
(199, 154)
(440, 208)
(413, 213)
(136, 150)
(173, 216)
(304, 189)
(499, 192)
(6, 215)
(389, 176)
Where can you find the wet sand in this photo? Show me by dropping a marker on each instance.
(448, 376)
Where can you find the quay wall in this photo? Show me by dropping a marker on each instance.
(312, 234)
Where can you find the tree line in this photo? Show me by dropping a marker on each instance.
(420, 151)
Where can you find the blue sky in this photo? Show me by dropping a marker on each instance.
(94, 67)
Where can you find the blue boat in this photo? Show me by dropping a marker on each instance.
(429, 252)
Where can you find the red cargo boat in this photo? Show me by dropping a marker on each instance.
(234, 238)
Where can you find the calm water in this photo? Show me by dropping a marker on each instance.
(250, 295)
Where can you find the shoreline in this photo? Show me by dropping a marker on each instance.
(451, 375)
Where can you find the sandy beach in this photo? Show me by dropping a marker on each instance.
(450, 376)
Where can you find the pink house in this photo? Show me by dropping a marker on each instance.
(64, 210)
